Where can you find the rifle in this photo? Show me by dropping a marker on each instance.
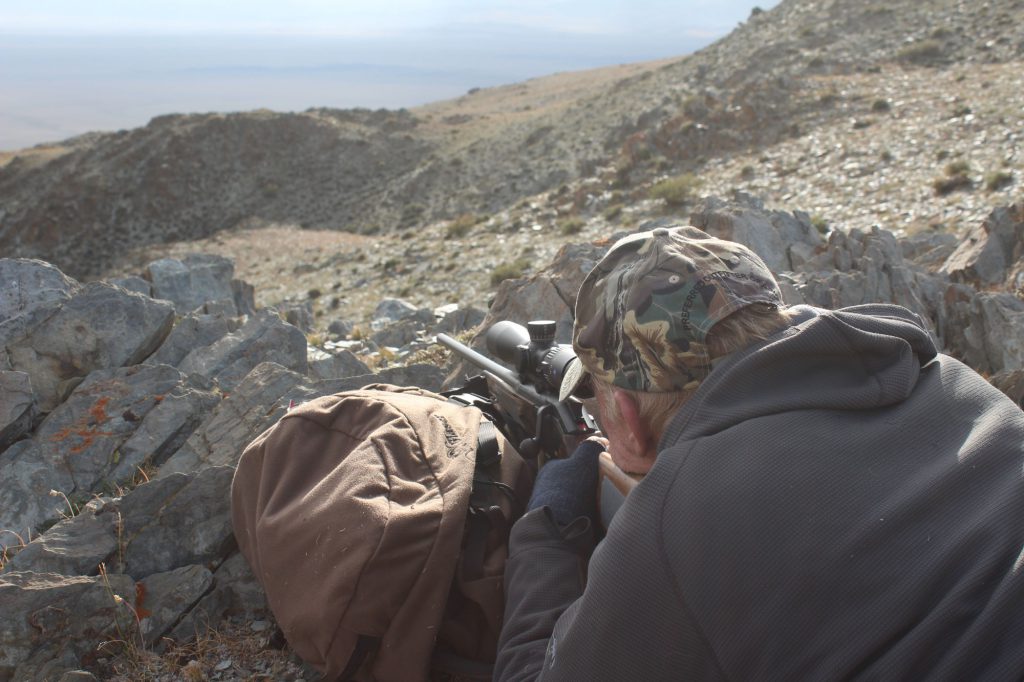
(524, 400)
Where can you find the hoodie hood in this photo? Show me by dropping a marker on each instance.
(857, 358)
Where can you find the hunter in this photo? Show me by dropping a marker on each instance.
(825, 496)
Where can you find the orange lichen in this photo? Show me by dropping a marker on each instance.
(140, 596)
(86, 427)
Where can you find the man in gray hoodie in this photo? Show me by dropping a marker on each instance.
(825, 496)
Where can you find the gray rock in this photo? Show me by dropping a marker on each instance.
(341, 327)
(136, 284)
(32, 291)
(168, 596)
(56, 618)
(235, 592)
(192, 281)
(256, 403)
(336, 365)
(194, 331)
(398, 334)
(25, 496)
(78, 676)
(997, 325)
(459, 320)
(177, 520)
(101, 327)
(74, 546)
(427, 377)
(297, 314)
(264, 338)
(989, 250)
(84, 435)
(770, 234)
(164, 430)
(244, 296)
(392, 310)
(17, 406)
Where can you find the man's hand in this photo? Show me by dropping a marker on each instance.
(568, 487)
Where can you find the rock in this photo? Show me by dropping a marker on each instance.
(244, 296)
(459, 320)
(177, 520)
(256, 403)
(17, 407)
(25, 496)
(235, 591)
(989, 250)
(929, 249)
(549, 295)
(298, 314)
(192, 281)
(1011, 382)
(195, 330)
(32, 291)
(103, 326)
(997, 329)
(74, 546)
(164, 598)
(115, 410)
(50, 617)
(398, 334)
(78, 676)
(264, 338)
(341, 328)
(336, 365)
(392, 310)
(136, 284)
(773, 235)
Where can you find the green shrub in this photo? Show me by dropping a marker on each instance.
(921, 52)
(881, 105)
(613, 212)
(513, 270)
(950, 183)
(997, 180)
(460, 227)
(676, 191)
(819, 223)
(960, 167)
(571, 226)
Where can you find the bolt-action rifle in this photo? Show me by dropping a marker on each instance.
(523, 399)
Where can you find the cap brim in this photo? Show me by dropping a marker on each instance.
(572, 379)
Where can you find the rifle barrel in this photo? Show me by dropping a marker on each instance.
(481, 361)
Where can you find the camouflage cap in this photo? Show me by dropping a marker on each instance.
(644, 312)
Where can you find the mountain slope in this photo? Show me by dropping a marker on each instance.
(86, 202)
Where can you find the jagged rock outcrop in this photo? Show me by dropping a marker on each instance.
(130, 470)
(116, 504)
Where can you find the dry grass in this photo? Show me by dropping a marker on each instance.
(232, 652)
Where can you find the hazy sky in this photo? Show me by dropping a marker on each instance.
(68, 66)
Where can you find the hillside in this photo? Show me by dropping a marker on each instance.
(779, 77)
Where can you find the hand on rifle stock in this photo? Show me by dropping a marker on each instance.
(569, 486)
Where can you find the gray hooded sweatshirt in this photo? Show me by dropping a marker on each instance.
(838, 502)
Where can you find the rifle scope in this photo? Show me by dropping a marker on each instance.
(532, 351)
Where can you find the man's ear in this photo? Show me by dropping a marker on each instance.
(636, 426)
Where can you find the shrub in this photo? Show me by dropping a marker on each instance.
(819, 223)
(571, 226)
(676, 191)
(460, 227)
(921, 52)
(613, 211)
(513, 270)
(997, 180)
(748, 172)
(960, 167)
(881, 105)
(950, 183)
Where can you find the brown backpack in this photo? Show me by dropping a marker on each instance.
(377, 522)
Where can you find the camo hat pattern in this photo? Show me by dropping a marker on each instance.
(644, 312)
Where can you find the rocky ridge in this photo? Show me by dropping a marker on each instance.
(119, 435)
